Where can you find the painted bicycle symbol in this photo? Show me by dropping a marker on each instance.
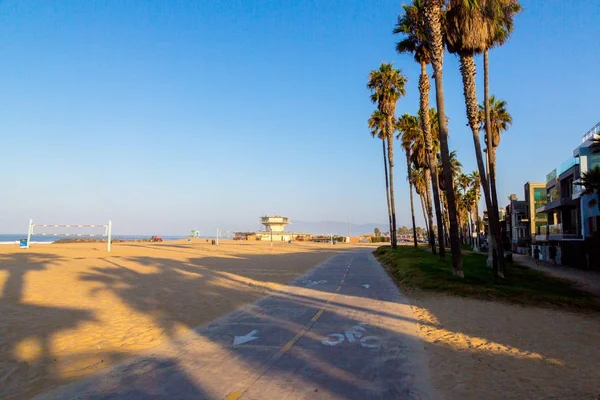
(356, 334)
(312, 283)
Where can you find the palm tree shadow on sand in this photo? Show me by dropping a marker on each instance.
(26, 330)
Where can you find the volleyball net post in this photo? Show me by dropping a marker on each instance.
(107, 231)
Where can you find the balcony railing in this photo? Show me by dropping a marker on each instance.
(590, 134)
(551, 176)
(565, 165)
(556, 232)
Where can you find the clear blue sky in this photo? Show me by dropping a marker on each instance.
(170, 115)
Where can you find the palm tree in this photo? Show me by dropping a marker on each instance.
(499, 118)
(418, 181)
(377, 126)
(455, 170)
(407, 127)
(468, 32)
(432, 14)
(387, 86)
(455, 166)
(500, 17)
(476, 187)
(411, 25)
(411, 137)
(590, 181)
(470, 206)
(464, 183)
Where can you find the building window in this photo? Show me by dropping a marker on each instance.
(593, 224)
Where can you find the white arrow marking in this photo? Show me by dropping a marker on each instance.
(366, 286)
(246, 338)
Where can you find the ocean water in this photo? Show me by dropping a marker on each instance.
(14, 239)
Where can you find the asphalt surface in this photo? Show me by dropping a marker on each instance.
(342, 331)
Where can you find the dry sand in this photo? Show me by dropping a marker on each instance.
(69, 310)
(484, 350)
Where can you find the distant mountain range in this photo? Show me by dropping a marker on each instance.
(335, 227)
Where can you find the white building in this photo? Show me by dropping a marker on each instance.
(275, 228)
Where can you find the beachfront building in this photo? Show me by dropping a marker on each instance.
(515, 225)
(570, 236)
(560, 239)
(588, 153)
(484, 220)
(535, 197)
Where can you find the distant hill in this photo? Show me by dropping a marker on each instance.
(335, 227)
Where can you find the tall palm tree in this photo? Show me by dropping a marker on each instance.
(407, 127)
(432, 14)
(468, 32)
(413, 142)
(387, 86)
(377, 126)
(499, 118)
(470, 206)
(455, 165)
(464, 183)
(455, 170)
(411, 25)
(590, 181)
(476, 187)
(418, 182)
(500, 17)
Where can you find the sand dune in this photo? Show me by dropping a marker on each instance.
(69, 310)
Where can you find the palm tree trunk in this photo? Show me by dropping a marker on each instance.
(387, 183)
(477, 227)
(424, 213)
(429, 210)
(470, 223)
(432, 13)
(467, 69)
(390, 149)
(412, 207)
(445, 217)
(424, 89)
(499, 264)
(460, 225)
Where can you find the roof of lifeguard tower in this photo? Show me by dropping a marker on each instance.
(277, 219)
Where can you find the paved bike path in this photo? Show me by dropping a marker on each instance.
(342, 331)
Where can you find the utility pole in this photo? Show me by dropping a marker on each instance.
(348, 228)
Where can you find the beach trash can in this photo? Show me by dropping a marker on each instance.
(23, 243)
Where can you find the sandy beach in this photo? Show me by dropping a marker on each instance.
(69, 310)
(485, 350)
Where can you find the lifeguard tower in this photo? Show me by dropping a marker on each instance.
(275, 223)
(275, 228)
